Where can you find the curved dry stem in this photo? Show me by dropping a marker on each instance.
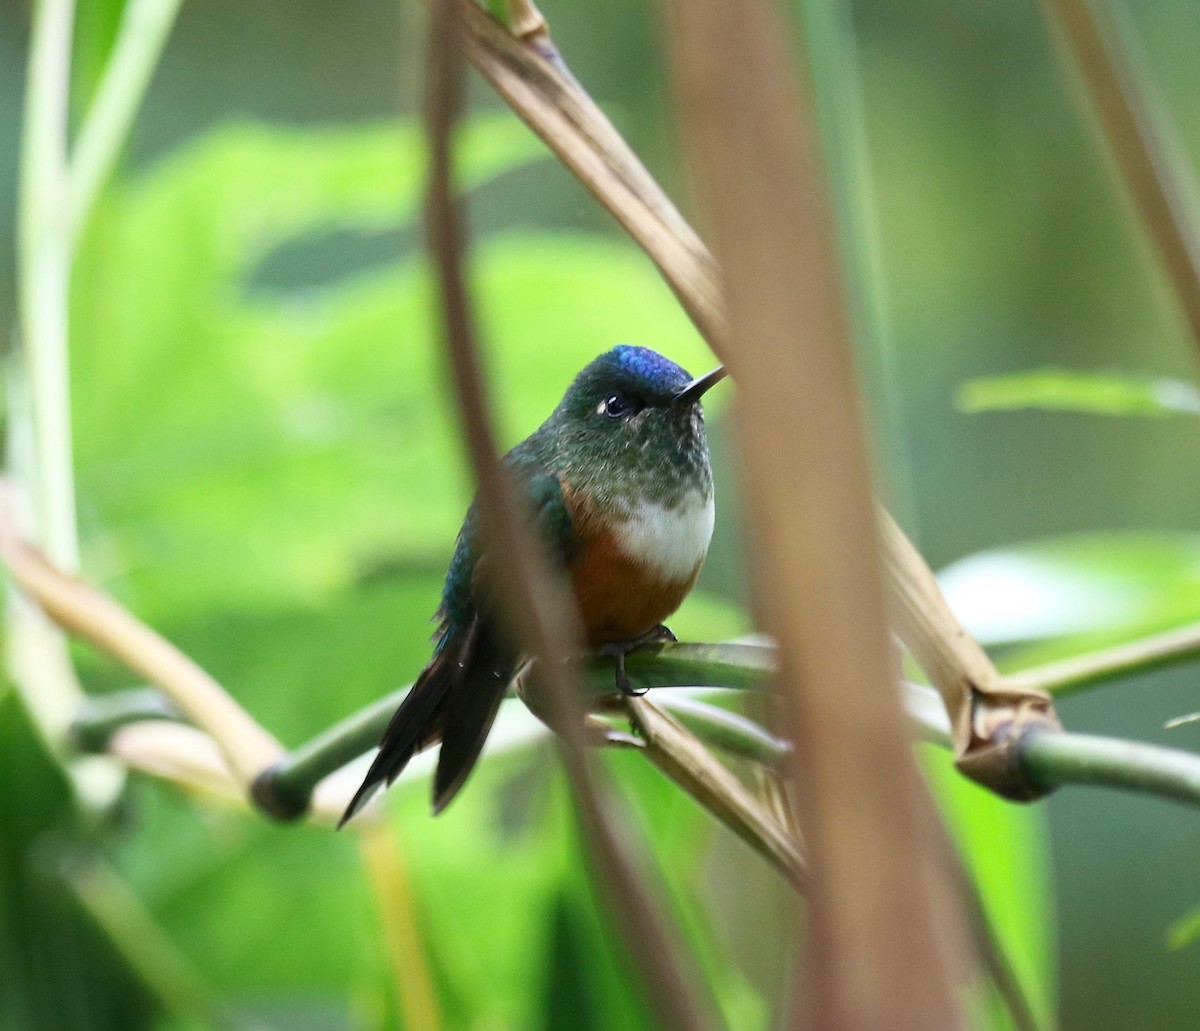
(93, 616)
(685, 760)
(543, 92)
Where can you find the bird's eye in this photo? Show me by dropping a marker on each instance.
(617, 406)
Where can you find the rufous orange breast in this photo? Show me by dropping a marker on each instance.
(632, 568)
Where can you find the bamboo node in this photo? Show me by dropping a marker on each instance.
(1001, 719)
(274, 798)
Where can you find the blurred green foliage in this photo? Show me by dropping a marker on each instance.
(269, 474)
(1095, 392)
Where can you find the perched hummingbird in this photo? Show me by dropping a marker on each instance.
(619, 481)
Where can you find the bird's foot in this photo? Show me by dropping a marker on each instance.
(618, 650)
(660, 634)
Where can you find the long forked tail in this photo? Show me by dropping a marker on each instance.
(456, 698)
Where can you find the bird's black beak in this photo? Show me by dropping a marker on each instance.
(691, 392)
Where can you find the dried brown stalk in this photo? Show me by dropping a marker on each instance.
(178, 753)
(555, 106)
(1128, 132)
(989, 714)
(678, 754)
(882, 934)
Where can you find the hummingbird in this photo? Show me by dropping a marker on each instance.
(620, 488)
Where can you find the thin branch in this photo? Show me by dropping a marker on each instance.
(145, 26)
(408, 955)
(1152, 180)
(537, 605)
(730, 732)
(1101, 667)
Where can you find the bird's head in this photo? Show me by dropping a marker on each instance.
(633, 411)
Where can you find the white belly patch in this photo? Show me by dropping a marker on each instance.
(671, 541)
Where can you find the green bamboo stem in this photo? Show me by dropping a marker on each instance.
(285, 789)
(43, 272)
(145, 26)
(1051, 759)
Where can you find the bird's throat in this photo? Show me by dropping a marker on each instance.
(669, 540)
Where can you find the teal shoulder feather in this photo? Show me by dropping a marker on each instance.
(551, 518)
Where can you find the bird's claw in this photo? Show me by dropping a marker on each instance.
(623, 684)
(656, 635)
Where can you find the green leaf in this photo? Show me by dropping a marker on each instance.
(1097, 393)
(1097, 586)
(57, 969)
(1185, 930)
(1006, 850)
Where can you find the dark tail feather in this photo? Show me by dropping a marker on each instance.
(456, 696)
(412, 725)
(468, 716)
